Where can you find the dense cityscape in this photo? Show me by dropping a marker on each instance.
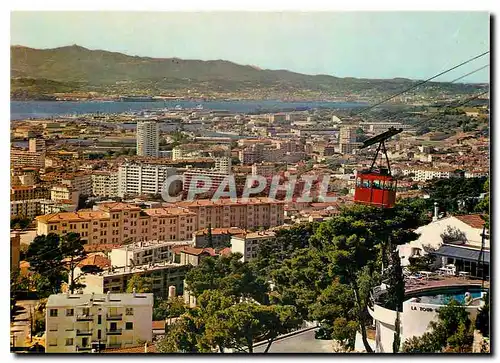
(173, 228)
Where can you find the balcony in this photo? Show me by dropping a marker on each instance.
(114, 331)
(84, 349)
(83, 332)
(87, 317)
(114, 316)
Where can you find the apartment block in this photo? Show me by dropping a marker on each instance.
(423, 174)
(148, 138)
(248, 214)
(78, 323)
(64, 193)
(115, 279)
(37, 145)
(144, 178)
(22, 158)
(105, 183)
(264, 169)
(29, 208)
(221, 237)
(118, 222)
(25, 192)
(81, 181)
(145, 252)
(248, 244)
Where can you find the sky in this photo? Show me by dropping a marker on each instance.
(414, 45)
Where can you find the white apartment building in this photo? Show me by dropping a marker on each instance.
(189, 151)
(62, 192)
(223, 164)
(143, 178)
(264, 169)
(148, 138)
(145, 252)
(81, 181)
(423, 174)
(476, 173)
(75, 323)
(248, 244)
(36, 145)
(105, 183)
(115, 279)
(28, 208)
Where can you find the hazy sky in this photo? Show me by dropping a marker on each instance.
(364, 44)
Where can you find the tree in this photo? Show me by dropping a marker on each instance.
(73, 252)
(140, 283)
(451, 332)
(210, 241)
(19, 223)
(483, 317)
(44, 255)
(243, 324)
(453, 235)
(228, 275)
(170, 308)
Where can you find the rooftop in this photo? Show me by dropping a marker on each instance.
(56, 300)
(123, 270)
(228, 202)
(473, 220)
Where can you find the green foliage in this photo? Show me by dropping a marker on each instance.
(140, 283)
(272, 253)
(451, 333)
(45, 257)
(72, 249)
(449, 193)
(483, 317)
(220, 322)
(228, 275)
(19, 223)
(170, 308)
(422, 263)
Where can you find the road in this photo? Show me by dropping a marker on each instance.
(299, 343)
(21, 326)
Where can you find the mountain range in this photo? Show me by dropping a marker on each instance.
(38, 73)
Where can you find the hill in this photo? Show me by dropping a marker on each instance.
(79, 69)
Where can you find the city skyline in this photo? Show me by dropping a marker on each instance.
(368, 43)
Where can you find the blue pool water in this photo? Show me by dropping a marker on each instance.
(444, 297)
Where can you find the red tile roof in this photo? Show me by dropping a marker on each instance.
(473, 220)
(95, 259)
(133, 350)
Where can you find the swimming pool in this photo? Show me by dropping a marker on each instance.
(444, 296)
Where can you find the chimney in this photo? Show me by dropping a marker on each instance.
(436, 211)
(171, 292)
(146, 347)
(133, 292)
(108, 296)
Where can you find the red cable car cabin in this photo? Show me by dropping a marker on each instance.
(377, 187)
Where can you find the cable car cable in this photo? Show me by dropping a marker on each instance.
(420, 83)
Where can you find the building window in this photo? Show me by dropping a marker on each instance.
(53, 313)
(129, 325)
(69, 341)
(86, 311)
(129, 311)
(70, 312)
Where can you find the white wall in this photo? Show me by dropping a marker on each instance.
(430, 235)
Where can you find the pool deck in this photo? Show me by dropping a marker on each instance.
(452, 281)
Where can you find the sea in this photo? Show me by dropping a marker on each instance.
(21, 110)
